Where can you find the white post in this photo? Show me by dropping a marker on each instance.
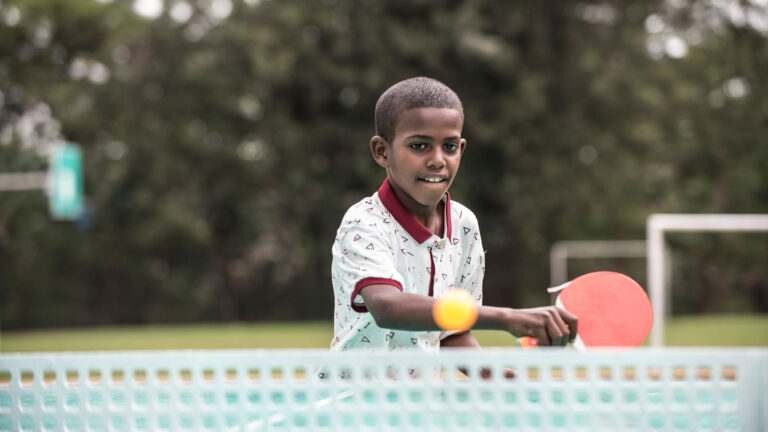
(558, 264)
(656, 279)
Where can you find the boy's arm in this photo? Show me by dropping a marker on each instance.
(396, 310)
(460, 340)
(467, 340)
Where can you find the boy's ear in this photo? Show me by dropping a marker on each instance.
(462, 145)
(380, 151)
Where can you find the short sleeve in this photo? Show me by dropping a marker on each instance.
(362, 256)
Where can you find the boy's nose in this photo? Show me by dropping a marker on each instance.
(436, 159)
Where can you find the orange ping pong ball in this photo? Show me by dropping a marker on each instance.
(455, 310)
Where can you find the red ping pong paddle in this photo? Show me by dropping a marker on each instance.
(613, 310)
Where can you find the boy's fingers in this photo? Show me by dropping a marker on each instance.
(555, 336)
(563, 331)
(553, 330)
(485, 373)
(542, 335)
(509, 373)
(550, 325)
(572, 321)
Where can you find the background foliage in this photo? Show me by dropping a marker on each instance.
(224, 140)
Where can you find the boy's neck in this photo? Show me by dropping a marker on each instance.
(429, 216)
(419, 221)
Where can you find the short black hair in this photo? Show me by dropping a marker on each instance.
(419, 92)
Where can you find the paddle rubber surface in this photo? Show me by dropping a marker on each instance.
(613, 309)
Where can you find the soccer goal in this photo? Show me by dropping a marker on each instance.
(658, 225)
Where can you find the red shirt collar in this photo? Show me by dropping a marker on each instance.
(419, 232)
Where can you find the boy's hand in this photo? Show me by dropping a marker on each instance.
(550, 325)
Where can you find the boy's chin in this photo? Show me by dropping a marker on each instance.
(435, 188)
(431, 199)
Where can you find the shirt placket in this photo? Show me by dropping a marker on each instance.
(431, 291)
(438, 255)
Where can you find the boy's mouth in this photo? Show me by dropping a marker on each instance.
(433, 179)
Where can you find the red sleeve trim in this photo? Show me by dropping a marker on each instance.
(364, 283)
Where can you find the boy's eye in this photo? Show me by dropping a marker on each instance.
(418, 146)
(451, 147)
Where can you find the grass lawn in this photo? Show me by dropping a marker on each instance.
(700, 330)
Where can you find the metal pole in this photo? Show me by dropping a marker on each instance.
(656, 273)
(558, 264)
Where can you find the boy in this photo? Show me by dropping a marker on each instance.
(400, 248)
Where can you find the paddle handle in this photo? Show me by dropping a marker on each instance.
(530, 342)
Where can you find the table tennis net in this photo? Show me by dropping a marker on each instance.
(295, 390)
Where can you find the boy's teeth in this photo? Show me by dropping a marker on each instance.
(433, 179)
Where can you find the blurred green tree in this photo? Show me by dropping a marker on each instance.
(225, 139)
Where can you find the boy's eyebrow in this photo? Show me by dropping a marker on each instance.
(429, 138)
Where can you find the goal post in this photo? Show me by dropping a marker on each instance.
(658, 225)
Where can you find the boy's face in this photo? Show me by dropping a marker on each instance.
(423, 157)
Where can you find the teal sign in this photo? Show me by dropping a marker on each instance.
(66, 182)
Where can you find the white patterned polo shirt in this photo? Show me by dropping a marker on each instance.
(380, 242)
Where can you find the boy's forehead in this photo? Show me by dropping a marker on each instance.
(447, 120)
